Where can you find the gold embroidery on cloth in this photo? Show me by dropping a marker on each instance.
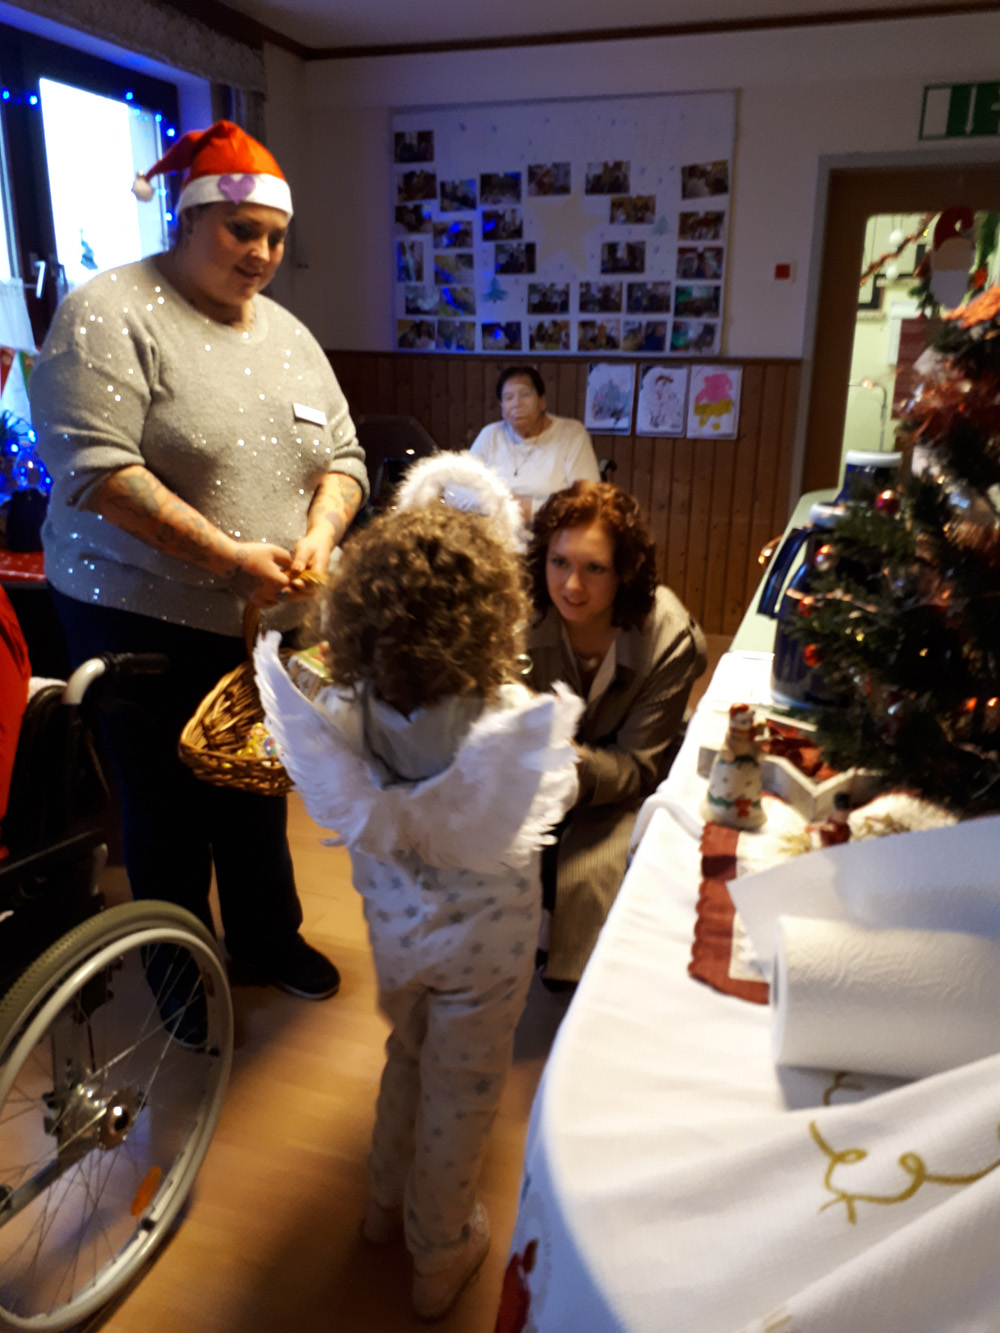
(911, 1163)
(840, 1081)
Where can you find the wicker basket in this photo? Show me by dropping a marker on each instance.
(211, 741)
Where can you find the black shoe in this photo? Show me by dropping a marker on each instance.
(556, 986)
(179, 993)
(187, 1023)
(297, 968)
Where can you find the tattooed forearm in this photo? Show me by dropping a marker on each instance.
(337, 499)
(136, 501)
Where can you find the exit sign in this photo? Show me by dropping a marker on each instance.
(960, 111)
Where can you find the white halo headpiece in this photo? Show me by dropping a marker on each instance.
(464, 482)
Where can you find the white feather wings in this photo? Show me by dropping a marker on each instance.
(512, 780)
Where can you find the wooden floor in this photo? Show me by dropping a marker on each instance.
(269, 1241)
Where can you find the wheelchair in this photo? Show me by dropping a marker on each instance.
(116, 1031)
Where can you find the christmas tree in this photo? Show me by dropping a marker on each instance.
(902, 621)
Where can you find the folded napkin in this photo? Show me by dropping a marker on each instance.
(934, 879)
(901, 1002)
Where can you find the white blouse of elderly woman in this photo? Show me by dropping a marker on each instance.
(534, 451)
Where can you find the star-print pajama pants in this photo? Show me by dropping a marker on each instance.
(454, 952)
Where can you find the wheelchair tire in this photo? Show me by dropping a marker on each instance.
(109, 1095)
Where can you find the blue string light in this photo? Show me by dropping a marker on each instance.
(8, 94)
(20, 467)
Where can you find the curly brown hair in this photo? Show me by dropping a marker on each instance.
(587, 502)
(426, 603)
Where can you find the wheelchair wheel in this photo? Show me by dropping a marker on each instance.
(115, 1050)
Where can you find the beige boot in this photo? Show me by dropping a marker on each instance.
(436, 1291)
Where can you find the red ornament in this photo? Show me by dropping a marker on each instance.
(887, 502)
(812, 654)
(807, 605)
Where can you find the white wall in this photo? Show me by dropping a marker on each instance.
(286, 119)
(804, 94)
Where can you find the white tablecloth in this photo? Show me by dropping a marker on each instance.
(675, 1180)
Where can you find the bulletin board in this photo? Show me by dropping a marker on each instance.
(591, 226)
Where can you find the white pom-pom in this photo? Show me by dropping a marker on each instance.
(141, 188)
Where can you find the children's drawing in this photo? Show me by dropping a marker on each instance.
(714, 402)
(610, 393)
(662, 391)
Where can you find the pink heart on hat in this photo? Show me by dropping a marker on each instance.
(236, 188)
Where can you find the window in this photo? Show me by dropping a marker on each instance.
(6, 233)
(75, 130)
(97, 221)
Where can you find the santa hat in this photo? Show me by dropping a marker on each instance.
(224, 165)
(741, 716)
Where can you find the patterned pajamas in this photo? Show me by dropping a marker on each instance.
(454, 951)
(445, 813)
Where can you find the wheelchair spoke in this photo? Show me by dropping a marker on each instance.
(109, 1091)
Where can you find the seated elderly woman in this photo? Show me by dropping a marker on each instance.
(632, 651)
(534, 452)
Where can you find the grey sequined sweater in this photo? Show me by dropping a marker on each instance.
(243, 426)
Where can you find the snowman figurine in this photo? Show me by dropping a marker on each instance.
(734, 783)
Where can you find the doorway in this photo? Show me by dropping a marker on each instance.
(855, 194)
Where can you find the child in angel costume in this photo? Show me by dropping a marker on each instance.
(443, 775)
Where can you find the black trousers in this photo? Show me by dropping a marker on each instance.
(174, 826)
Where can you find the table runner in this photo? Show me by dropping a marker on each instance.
(717, 953)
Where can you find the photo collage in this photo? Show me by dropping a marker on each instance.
(592, 254)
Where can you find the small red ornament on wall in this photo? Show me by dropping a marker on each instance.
(807, 605)
(812, 654)
(887, 502)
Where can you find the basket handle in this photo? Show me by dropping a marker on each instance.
(251, 624)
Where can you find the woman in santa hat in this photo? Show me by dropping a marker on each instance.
(202, 457)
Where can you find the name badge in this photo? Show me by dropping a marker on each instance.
(314, 414)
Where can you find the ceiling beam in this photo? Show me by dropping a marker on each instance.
(933, 9)
(224, 18)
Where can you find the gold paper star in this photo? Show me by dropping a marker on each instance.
(560, 226)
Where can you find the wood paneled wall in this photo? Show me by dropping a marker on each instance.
(711, 504)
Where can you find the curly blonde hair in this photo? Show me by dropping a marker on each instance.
(426, 603)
